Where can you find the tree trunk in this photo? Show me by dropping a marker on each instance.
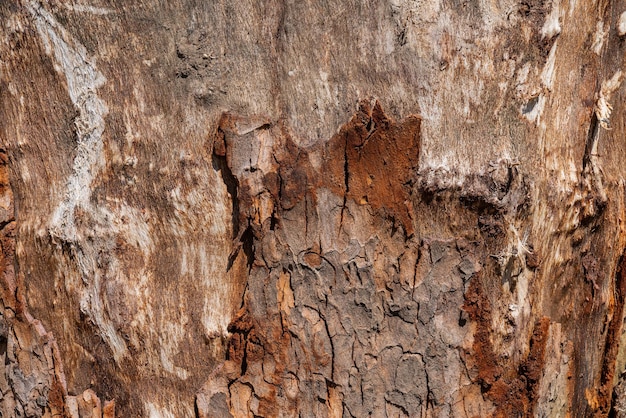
(316, 209)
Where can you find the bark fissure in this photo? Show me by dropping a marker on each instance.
(346, 180)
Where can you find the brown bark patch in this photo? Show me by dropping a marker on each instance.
(513, 390)
(372, 161)
(379, 162)
(613, 335)
(533, 367)
(280, 342)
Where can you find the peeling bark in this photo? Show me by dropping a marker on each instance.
(352, 209)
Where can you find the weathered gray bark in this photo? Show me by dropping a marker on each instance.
(302, 208)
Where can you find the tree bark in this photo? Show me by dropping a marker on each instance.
(279, 208)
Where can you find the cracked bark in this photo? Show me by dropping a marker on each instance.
(304, 209)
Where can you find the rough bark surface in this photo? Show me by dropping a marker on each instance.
(302, 208)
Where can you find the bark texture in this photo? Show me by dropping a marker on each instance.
(302, 208)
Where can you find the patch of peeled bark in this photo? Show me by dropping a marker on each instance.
(347, 311)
